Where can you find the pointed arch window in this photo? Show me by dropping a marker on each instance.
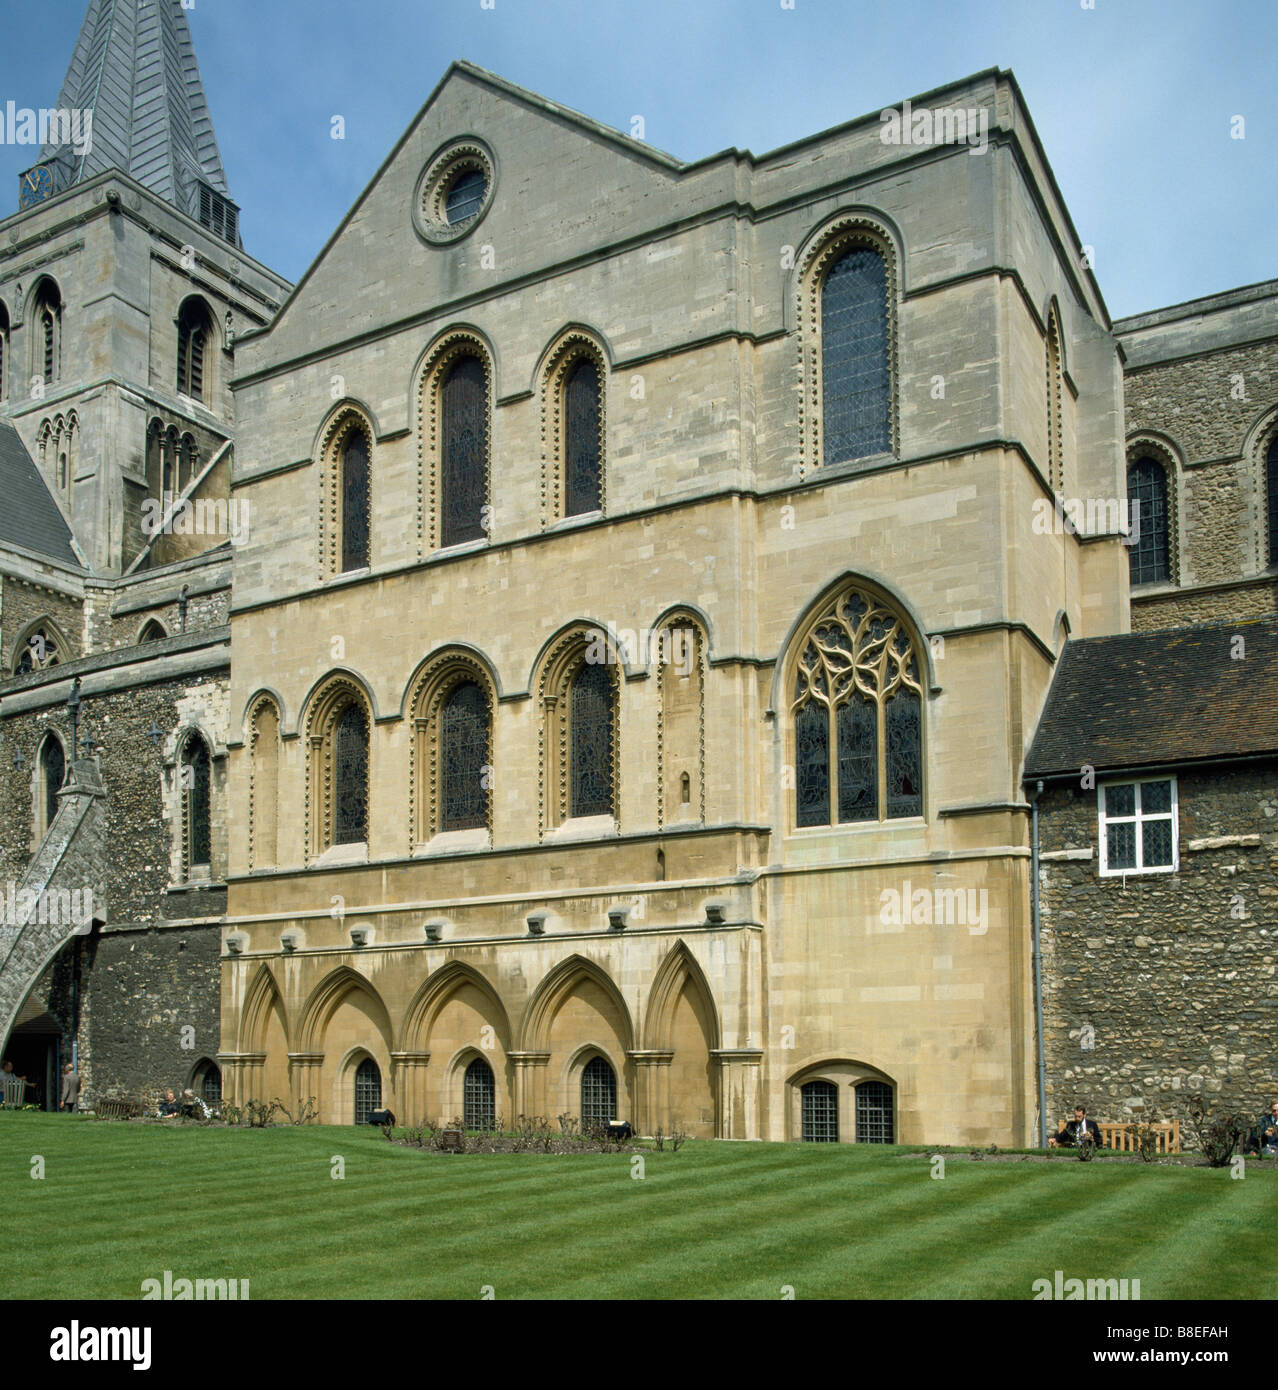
(856, 379)
(355, 501)
(368, 1090)
(479, 1096)
(52, 775)
(598, 1093)
(874, 1113)
(196, 805)
(208, 1083)
(194, 339)
(1271, 493)
(464, 470)
(858, 716)
(46, 318)
(1150, 556)
(350, 776)
(583, 445)
(591, 719)
(152, 631)
(819, 1112)
(465, 733)
(38, 652)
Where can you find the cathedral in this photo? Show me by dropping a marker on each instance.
(747, 646)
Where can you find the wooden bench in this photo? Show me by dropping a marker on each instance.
(118, 1109)
(1121, 1138)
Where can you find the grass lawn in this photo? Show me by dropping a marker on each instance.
(120, 1203)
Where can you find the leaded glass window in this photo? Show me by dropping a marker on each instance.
(38, 652)
(1149, 555)
(874, 1113)
(350, 776)
(463, 750)
(819, 1112)
(582, 451)
(1271, 488)
(196, 783)
(463, 482)
(858, 717)
(368, 1090)
(598, 1093)
(355, 505)
(856, 379)
(465, 197)
(479, 1096)
(52, 775)
(590, 735)
(1138, 827)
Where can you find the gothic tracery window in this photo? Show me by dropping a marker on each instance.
(38, 652)
(855, 371)
(1150, 555)
(464, 452)
(857, 711)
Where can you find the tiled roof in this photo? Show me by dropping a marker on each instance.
(1151, 698)
(29, 517)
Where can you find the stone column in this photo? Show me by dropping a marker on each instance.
(739, 1081)
(530, 1083)
(252, 1074)
(652, 1091)
(230, 1064)
(304, 1078)
(408, 1087)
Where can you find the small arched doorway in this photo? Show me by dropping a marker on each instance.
(479, 1096)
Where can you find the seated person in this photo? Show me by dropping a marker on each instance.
(381, 1117)
(619, 1129)
(193, 1107)
(1268, 1127)
(170, 1106)
(1077, 1131)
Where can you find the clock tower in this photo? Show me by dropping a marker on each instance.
(35, 185)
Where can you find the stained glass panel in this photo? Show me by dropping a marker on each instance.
(350, 777)
(858, 760)
(465, 452)
(598, 1093)
(812, 764)
(581, 439)
(856, 380)
(819, 1105)
(355, 502)
(1147, 498)
(479, 1096)
(903, 718)
(590, 736)
(464, 732)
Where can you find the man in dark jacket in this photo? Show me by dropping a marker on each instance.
(1079, 1130)
(1268, 1127)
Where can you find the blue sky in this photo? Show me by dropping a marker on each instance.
(1132, 99)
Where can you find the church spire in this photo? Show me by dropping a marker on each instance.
(134, 68)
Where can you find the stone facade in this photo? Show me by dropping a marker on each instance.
(1201, 386)
(1161, 986)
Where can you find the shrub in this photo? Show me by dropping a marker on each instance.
(1219, 1134)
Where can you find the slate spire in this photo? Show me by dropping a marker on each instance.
(134, 67)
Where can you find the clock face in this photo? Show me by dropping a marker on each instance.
(35, 186)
